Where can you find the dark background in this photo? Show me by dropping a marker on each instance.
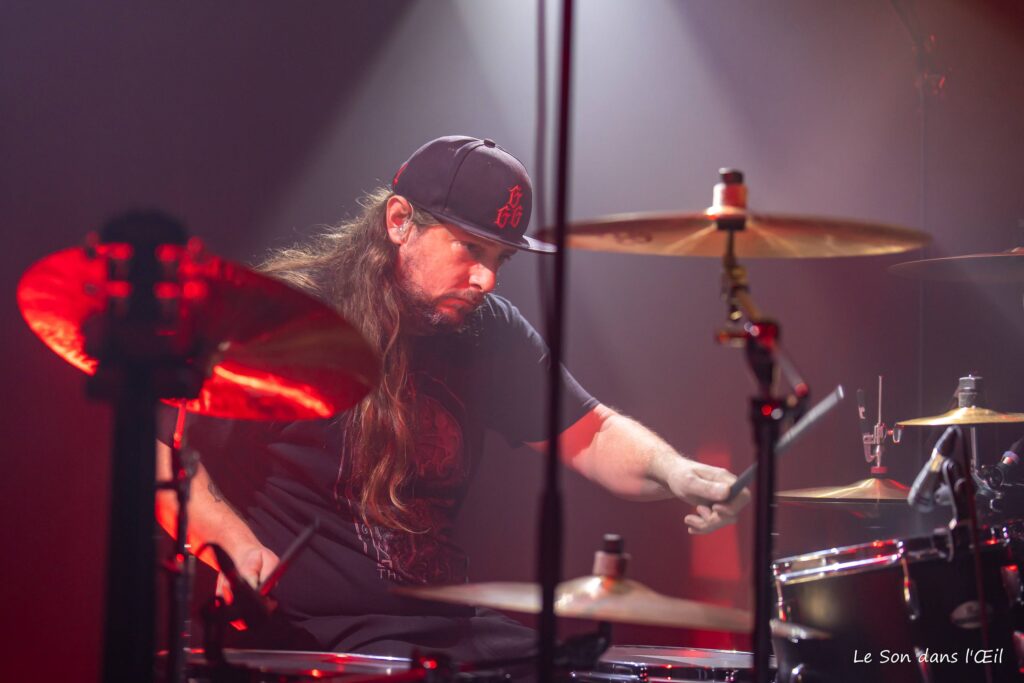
(256, 121)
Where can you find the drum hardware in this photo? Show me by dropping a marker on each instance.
(874, 438)
(971, 415)
(150, 316)
(875, 490)
(605, 596)
(642, 664)
(922, 600)
(765, 236)
(961, 482)
(263, 350)
(1012, 583)
(728, 227)
(910, 595)
(792, 434)
(967, 412)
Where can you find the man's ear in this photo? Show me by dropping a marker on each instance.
(398, 219)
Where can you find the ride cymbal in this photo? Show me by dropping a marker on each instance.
(971, 415)
(601, 598)
(765, 236)
(269, 351)
(995, 268)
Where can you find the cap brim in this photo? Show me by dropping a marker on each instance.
(525, 243)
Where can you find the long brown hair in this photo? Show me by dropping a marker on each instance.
(351, 267)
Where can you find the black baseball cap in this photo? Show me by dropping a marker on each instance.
(473, 184)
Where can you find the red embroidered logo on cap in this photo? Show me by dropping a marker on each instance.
(512, 211)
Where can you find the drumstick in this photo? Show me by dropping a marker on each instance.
(297, 546)
(790, 437)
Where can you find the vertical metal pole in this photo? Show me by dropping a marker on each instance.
(129, 630)
(550, 532)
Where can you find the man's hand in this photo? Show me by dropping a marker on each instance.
(254, 565)
(705, 487)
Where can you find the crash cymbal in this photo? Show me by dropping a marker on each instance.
(995, 268)
(271, 351)
(872, 490)
(765, 236)
(601, 598)
(971, 415)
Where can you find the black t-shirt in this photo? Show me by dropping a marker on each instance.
(281, 476)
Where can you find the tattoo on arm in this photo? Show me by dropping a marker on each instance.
(215, 492)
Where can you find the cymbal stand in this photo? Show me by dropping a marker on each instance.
(180, 565)
(143, 346)
(759, 336)
(964, 527)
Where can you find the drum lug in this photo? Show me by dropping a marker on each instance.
(910, 597)
(1012, 584)
(923, 667)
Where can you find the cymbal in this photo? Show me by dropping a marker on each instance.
(601, 598)
(971, 415)
(993, 268)
(271, 351)
(872, 490)
(765, 236)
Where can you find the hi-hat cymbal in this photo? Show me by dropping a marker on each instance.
(995, 268)
(971, 415)
(872, 490)
(271, 351)
(765, 236)
(601, 598)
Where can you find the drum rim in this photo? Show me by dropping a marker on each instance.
(258, 659)
(615, 656)
(862, 557)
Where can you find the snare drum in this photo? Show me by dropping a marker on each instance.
(904, 609)
(676, 665)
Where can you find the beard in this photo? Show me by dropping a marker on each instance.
(424, 315)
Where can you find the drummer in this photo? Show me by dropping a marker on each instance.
(415, 273)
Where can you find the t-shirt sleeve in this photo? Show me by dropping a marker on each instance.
(517, 396)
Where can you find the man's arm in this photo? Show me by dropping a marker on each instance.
(631, 461)
(212, 520)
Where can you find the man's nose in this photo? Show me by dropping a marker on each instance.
(483, 278)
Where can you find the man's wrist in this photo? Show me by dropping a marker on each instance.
(664, 463)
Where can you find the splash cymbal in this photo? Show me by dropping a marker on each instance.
(993, 268)
(970, 415)
(601, 598)
(765, 236)
(871, 490)
(270, 351)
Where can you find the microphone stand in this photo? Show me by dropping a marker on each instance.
(759, 336)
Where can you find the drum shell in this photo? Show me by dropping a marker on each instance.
(893, 601)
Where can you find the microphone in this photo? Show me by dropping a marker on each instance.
(1007, 471)
(922, 493)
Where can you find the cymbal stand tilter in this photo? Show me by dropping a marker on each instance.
(759, 336)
